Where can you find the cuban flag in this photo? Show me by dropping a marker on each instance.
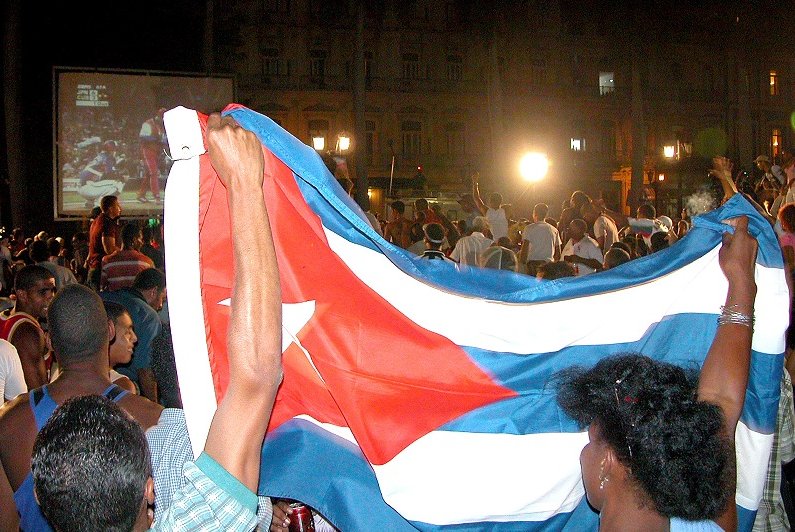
(418, 396)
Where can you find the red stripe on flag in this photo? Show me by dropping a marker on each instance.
(385, 377)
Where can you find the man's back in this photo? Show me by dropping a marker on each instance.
(63, 276)
(468, 248)
(102, 226)
(22, 418)
(543, 239)
(120, 268)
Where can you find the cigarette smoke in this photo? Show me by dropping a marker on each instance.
(699, 203)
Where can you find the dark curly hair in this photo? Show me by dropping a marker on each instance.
(672, 444)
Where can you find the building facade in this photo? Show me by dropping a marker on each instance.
(457, 87)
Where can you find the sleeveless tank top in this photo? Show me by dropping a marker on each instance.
(43, 406)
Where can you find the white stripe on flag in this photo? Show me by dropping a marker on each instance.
(523, 477)
(698, 287)
(186, 311)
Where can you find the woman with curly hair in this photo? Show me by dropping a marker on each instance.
(661, 452)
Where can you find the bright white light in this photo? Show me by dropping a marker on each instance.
(344, 142)
(669, 151)
(319, 143)
(533, 166)
(661, 177)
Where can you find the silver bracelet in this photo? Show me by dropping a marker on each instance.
(729, 315)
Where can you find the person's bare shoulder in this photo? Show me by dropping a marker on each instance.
(145, 412)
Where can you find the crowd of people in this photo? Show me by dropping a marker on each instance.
(92, 435)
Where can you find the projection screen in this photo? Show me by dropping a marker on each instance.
(109, 137)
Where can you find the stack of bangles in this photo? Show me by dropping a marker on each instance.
(730, 315)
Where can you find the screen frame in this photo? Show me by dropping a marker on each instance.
(58, 211)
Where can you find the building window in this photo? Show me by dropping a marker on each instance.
(318, 128)
(412, 138)
(369, 140)
(607, 83)
(577, 144)
(773, 83)
(317, 65)
(454, 131)
(776, 142)
(454, 67)
(411, 66)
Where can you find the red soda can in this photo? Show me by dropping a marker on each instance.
(301, 519)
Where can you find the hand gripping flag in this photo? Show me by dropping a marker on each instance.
(419, 396)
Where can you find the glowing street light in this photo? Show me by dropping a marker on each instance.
(319, 143)
(343, 143)
(533, 166)
(669, 152)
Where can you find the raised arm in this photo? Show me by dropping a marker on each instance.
(476, 194)
(254, 335)
(722, 169)
(724, 376)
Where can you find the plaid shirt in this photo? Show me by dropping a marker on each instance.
(210, 499)
(170, 449)
(771, 515)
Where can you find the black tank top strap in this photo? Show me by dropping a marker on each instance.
(38, 395)
(114, 393)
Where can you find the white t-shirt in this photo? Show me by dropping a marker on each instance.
(498, 222)
(468, 248)
(586, 248)
(605, 227)
(542, 240)
(12, 380)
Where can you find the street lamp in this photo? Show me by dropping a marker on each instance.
(343, 142)
(319, 142)
(671, 155)
(533, 166)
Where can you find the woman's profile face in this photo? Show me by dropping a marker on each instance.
(592, 463)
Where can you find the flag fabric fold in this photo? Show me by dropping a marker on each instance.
(418, 395)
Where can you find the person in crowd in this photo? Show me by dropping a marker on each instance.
(120, 268)
(434, 237)
(417, 237)
(398, 229)
(550, 271)
(682, 227)
(451, 233)
(40, 254)
(17, 240)
(540, 241)
(79, 334)
(470, 211)
(152, 139)
(34, 288)
(570, 209)
(767, 188)
(142, 300)
(12, 379)
(148, 248)
(638, 471)
(498, 258)
(55, 245)
(605, 231)
(79, 256)
(24, 255)
(220, 485)
(121, 345)
(429, 216)
(495, 212)
(468, 248)
(581, 250)
(104, 238)
(659, 241)
(615, 256)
